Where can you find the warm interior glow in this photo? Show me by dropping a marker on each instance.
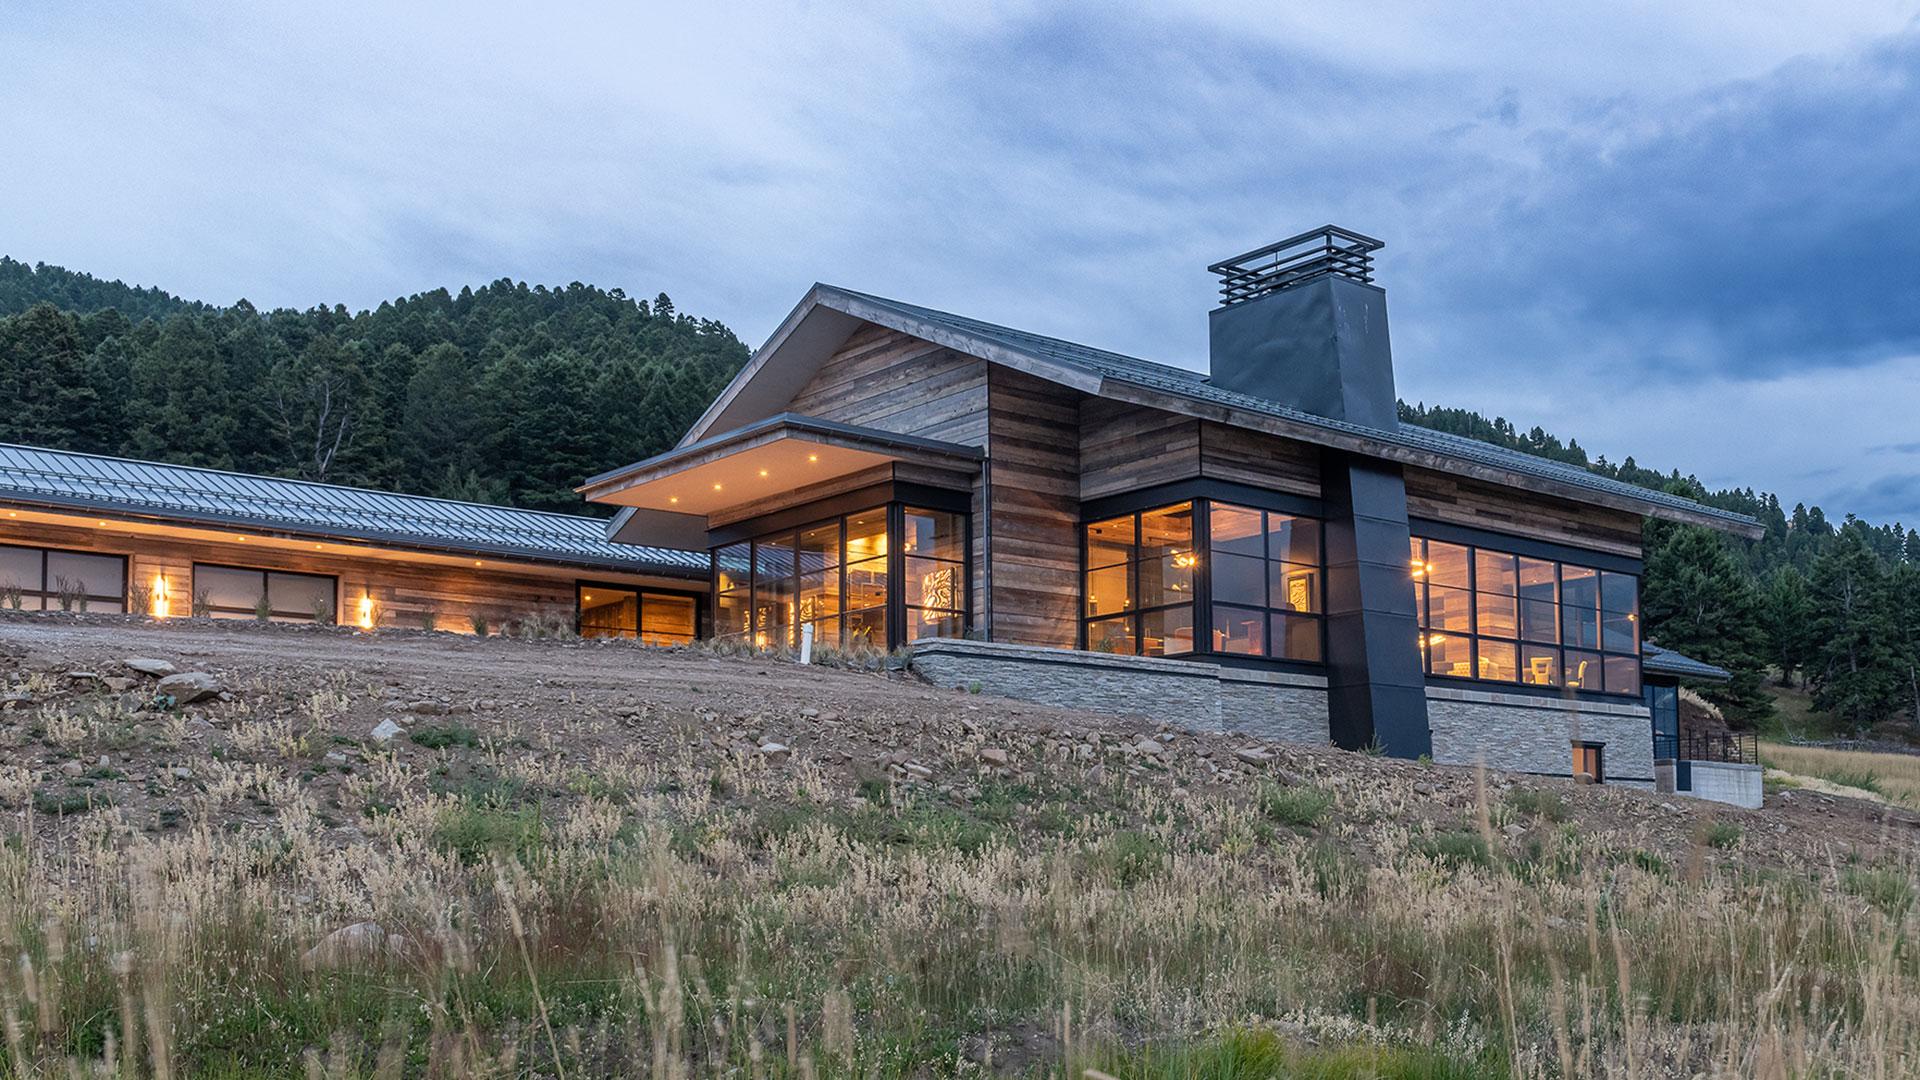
(763, 472)
(813, 457)
(160, 596)
(366, 612)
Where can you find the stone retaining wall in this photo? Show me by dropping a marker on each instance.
(1536, 734)
(1182, 693)
(1517, 732)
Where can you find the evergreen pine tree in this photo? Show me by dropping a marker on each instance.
(1851, 670)
(1696, 597)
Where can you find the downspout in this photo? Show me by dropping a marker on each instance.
(986, 544)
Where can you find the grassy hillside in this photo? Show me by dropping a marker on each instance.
(598, 860)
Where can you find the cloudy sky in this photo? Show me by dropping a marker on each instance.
(1686, 232)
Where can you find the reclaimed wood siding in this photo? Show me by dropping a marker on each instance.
(1477, 504)
(1034, 448)
(1259, 459)
(403, 591)
(1125, 447)
(895, 382)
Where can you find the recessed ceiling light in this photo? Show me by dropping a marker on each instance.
(763, 472)
(716, 487)
(676, 498)
(813, 457)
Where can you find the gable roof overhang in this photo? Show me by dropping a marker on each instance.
(828, 315)
(676, 494)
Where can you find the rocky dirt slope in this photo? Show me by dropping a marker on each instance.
(85, 730)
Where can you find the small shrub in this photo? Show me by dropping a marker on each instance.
(139, 600)
(1127, 858)
(474, 833)
(439, 738)
(202, 605)
(68, 591)
(61, 803)
(262, 609)
(1298, 807)
(429, 617)
(12, 595)
(1460, 847)
(323, 613)
(1723, 834)
(479, 623)
(1540, 802)
(1888, 890)
(1853, 778)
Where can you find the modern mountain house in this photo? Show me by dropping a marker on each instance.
(1262, 546)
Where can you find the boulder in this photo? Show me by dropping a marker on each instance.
(427, 707)
(387, 731)
(357, 943)
(148, 666)
(189, 686)
(774, 751)
(119, 684)
(994, 756)
(1253, 755)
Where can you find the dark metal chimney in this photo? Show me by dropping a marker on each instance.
(1300, 322)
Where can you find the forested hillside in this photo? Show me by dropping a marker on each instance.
(508, 393)
(1837, 605)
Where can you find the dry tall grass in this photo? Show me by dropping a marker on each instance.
(759, 921)
(1896, 776)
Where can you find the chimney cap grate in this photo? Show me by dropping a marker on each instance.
(1329, 249)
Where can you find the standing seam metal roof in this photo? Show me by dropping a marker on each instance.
(1195, 385)
(99, 482)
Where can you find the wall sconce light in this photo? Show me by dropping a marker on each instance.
(366, 611)
(160, 605)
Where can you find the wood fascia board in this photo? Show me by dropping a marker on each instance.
(1443, 463)
(726, 447)
(966, 343)
(758, 364)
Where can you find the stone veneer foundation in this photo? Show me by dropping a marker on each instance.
(1515, 732)
(1182, 693)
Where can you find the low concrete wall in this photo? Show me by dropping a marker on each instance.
(1536, 734)
(1725, 782)
(1183, 693)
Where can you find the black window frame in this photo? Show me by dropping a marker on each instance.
(640, 593)
(48, 595)
(1519, 641)
(193, 591)
(895, 609)
(1202, 600)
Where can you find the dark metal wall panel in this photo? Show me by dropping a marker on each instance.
(1376, 691)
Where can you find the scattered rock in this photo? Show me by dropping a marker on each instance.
(1149, 747)
(1096, 775)
(994, 756)
(1423, 788)
(427, 707)
(774, 751)
(119, 684)
(148, 666)
(387, 731)
(189, 687)
(1253, 755)
(918, 771)
(72, 768)
(359, 942)
(181, 772)
(83, 676)
(1514, 829)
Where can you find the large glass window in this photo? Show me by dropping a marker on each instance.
(837, 576)
(44, 579)
(232, 592)
(1501, 617)
(1137, 596)
(653, 618)
(1265, 572)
